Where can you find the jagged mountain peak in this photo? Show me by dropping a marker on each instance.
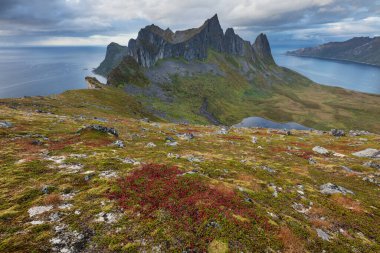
(154, 43)
(262, 47)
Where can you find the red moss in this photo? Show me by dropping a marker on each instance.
(190, 200)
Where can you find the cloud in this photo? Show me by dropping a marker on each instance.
(98, 21)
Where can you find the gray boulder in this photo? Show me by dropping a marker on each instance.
(337, 132)
(5, 124)
(321, 150)
(100, 128)
(369, 153)
(330, 188)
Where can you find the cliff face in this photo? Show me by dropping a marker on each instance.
(114, 55)
(262, 47)
(359, 49)
(154, 43)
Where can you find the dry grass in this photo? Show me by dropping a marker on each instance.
(52, 199)
(348, 203)
(292, 244)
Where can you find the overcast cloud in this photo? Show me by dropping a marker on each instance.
(98, 22)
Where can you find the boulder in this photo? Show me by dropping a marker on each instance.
(368, 153)
(321, 150)
(337, 132)
(372, 164)
(100, 128)
(5, 124)
(330, 188)
(119, 144)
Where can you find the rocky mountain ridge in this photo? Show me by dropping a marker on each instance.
(153, 44)
(359, 49)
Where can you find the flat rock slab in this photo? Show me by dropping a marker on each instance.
(330, 188)
(369, 153)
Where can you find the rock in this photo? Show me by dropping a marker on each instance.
(46, 189)
(36, 210)
(172, 144)
(100, 129)
(262, 48)
(169, 139)
(322, 234)
(358, 133)
(107, 217)
(312, 160)
(348, 169)
(268, 169)
(284, 132)
(93, 83)
(191, 172)
(372, 164)
(130, 161)
(175, 156)
(150, 145)
(223, 130)
(300, 208)
(368, 153)
(192, 159)
(371, 179)
(119, 144)
(108, 174)
(101, 119)
(36, 143)
(67, 241)
(186, 136)
(213, 224)
(88, 175)
(330, 188)
(337, 132)
(65, 206)
(321, 150)
(5, 124)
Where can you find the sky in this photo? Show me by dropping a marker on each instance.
(99, 22)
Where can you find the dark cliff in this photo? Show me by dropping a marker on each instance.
(154, 43)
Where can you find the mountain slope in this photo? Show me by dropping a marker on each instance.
(359, 49)
(67, 186)
(205, 76)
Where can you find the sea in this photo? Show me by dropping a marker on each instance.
(39, 71)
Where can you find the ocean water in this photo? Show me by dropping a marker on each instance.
(352, 76)
(51, 70)
(46, 70)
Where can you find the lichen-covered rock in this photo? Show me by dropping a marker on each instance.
(100, 128)
(330, 188)
(337, 132)
(5, 124)
(321, 150)
(369, 153)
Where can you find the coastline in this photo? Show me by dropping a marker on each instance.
(334, 59)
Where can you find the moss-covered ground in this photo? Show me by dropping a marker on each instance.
(67, 191)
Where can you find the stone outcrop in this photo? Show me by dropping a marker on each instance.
(262, 48)
(114, 55)
(154, 43)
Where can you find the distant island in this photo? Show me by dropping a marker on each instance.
(359, 49)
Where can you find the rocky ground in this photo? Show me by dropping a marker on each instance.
(106, 182)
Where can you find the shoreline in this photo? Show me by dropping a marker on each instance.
(334, 59)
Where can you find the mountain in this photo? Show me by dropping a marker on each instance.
(359, 49)
(205, 75)
(93, 171)
(154, 44)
